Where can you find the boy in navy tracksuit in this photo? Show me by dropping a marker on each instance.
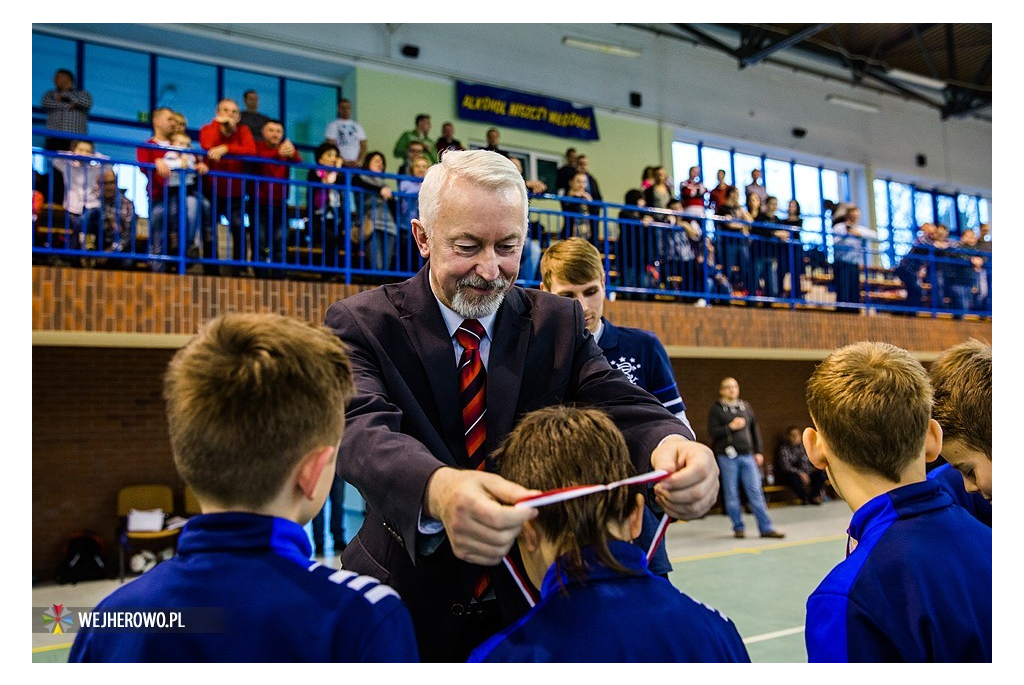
(962, 381)
(255, 407)
(598, 601)
(917, 582)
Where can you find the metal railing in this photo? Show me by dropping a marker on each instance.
(296, 224)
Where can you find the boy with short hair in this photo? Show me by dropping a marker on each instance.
(917, 583)
(574, 268)
(962, 381)
(255, 408)
(598, 601)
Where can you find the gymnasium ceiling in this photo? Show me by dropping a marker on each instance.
(955, 60)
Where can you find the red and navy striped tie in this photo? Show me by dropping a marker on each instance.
(473, 390)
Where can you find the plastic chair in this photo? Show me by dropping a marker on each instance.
(192, 507)
(143, 497)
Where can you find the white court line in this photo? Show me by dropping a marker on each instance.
(772, 636)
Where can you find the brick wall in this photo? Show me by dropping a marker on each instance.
(97, 412)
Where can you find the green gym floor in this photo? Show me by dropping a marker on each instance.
(761, 584)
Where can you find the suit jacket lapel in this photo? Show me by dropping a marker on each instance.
(506, 365)
(425, 327)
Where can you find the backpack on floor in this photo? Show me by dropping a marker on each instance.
(83, 558)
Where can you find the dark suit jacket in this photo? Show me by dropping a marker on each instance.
(404, 422)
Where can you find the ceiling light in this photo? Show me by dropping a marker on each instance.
(853, 104)
(606, 48)
(916, 79)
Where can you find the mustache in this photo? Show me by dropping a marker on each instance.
(475, 281)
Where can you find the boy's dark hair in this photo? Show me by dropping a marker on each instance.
(962, 382)
(247, 397)
(872, 401)
(564, 446)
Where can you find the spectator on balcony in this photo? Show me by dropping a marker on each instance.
(718, 194)
(769, 253)
(691, 193)
(326, 220)
(270, 201)
(378, 229)
(81, 181)
(113, 221)
(793, 254)
(185, 168)
(494, 142)
(348, 134)
(67, 110)
(409, 209)
(853, 244)
(659, 193)
(734, 241)
(577, 222)
(961, 265)
(225, 138)
(912, 268)
(447, 141)
(646, 178)
(565, 173)
(638, 245)
(984, 299)
(755, 185)
(163, 206)
(252, 116)
(583, 166)
(180, 123)
(421, 133)
(415, 149)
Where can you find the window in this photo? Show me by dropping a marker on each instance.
(187, 87)
(118, 81)
(309, 107)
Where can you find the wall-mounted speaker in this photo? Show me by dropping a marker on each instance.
(635, 99)
(411, 51)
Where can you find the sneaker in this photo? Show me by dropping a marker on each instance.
(773, 534)
(701, 303)
(739, 534)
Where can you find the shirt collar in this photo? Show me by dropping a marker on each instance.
(600, 331)
(452, 319)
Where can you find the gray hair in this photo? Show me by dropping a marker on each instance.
(481, 167)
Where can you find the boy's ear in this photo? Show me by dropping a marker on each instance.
(814, 446)
(933, 441)
(542, 287)
(311, 467)
(636, 519)
(530, 537)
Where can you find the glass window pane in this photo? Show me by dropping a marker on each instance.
(811, 234)
(118, 81)
(984, 214)
(778, 180)
(237, 82)
(832, 186)
(924, 210)
(48, 55)
(946, 211)
(309, 107)
(715, 159)
(684, 156)
(808, 189)
(968, 206)
(902, 209)
(881, 202)
(744, 165)
(187, 87)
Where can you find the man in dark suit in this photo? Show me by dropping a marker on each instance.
(437, 525)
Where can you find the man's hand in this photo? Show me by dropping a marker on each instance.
(162, 170)
(286, 149)
(692, 488)
(216, 152)
(759, 458)
(738, 423)
(475, 508)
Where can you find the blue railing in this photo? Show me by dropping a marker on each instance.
(295, 224)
